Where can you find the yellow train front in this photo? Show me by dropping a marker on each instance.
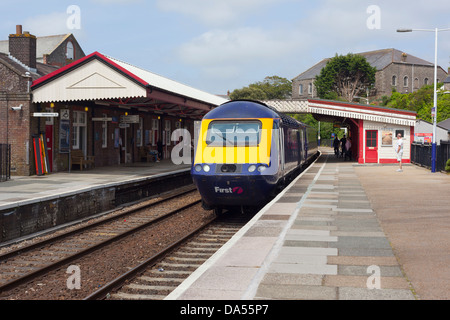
(245, 152)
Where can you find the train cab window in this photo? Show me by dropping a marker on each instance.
(233, 133)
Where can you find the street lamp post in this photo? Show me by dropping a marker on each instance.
(434, 114)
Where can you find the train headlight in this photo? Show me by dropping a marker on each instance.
(251, 168)
(206, 168)
(198, 168)
(262, 168)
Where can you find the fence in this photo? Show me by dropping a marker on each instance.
(421, 154)
(5, 162)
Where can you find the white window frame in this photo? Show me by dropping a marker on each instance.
(140, 133)
(79, 120)
(155, 131)
(104, 132)
(167, 131)
(70, 50)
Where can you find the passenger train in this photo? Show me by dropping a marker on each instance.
(246, 152)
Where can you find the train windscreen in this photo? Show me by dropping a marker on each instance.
(234, 133)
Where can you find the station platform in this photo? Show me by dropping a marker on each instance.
(339, 231)
(36, 204)
(22, 190)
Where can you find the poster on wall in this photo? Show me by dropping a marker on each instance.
(64, 131)
(386, 138)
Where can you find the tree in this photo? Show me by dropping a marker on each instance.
(345, 77)
(273, 87)
(421, 101)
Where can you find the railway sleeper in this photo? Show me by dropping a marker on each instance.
(160, 281)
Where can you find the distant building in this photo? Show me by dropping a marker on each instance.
(55, 50)
(395, 70)
(423, 132)
(446, 125)
(447, 84)
(23, 59)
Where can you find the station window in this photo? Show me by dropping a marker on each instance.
(300, 89)
(139, 133)
(104, 133)
(79, 127)
(167, 128)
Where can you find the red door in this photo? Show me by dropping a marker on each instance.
(371, 146)
(49, 137)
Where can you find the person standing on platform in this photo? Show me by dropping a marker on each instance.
(343, 141)
(399, 151)
(160, 150)
(336, 146)
(348, 151)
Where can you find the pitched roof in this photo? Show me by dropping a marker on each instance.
(445, 124)
(379, 59)
(44, 45)
(20, 69)
(139, 76)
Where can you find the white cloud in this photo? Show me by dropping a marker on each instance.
(47, 24)
(230, 52)
(215, 12)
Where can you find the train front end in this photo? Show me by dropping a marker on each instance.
(236, 162)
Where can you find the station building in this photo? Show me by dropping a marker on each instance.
(373, 130)
(114, 112)
(104, 110)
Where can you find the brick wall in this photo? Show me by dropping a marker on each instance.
(23, 47)
(15, 129)
(305, 93)
(415, 74)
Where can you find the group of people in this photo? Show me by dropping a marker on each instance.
(342, 149)
(344, 145)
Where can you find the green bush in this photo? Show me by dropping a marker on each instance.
(447, 166)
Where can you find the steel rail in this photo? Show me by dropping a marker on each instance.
(119, 281)
(26, 278)
(42, 243)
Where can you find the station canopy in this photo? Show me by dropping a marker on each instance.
(339, 111)
(110, 82)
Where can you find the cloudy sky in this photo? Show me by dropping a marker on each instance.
(221, 45)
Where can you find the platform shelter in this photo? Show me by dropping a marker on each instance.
(373, 130)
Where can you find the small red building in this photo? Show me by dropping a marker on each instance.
(373, 130)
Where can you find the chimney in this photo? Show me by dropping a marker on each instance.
(22, 46)
(404, 57)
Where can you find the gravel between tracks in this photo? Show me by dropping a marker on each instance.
(103, 266)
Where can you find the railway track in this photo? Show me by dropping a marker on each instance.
(21, 266)
(160, 275)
